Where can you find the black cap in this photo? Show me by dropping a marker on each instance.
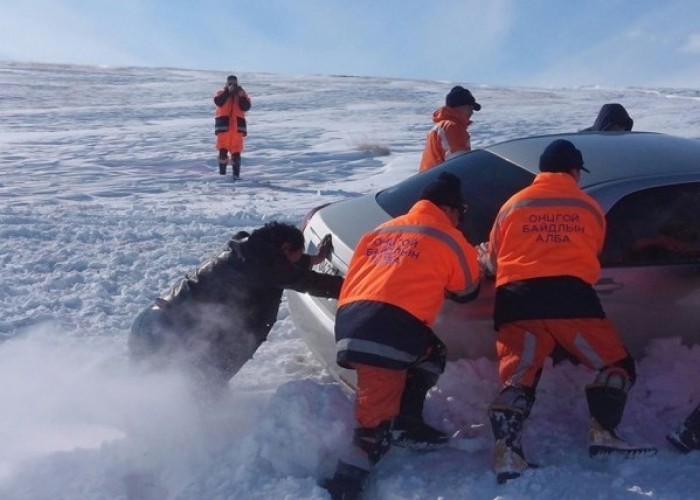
(445, 190)
(459, 96)
(561, 156)
(231, 77)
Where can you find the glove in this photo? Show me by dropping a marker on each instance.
(484, 258)
(325, 247)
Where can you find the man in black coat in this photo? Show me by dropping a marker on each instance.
(213, 320)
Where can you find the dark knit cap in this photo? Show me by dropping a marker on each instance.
(561, 156)
(445, 190)
(459, 96)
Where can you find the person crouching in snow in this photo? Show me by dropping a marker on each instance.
(545, 298)
(397, 280)
(213, 320)
(231, 127)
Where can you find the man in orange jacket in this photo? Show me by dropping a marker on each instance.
(544, 248)
(230, 126)
(396, 283)
(450, 137)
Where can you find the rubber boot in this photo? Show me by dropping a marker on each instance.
(222, 168)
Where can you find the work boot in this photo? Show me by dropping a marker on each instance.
(508, 461)
(415, 434)
(602, 442)
(508, 457)
(373, 441)
(684, 439)
(687, 437)
(371, 444)
(346, 483)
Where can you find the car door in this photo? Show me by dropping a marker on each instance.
(650, 281)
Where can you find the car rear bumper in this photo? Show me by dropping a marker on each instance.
(315, 321)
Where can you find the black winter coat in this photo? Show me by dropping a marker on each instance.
(611, 115)
(227, 307)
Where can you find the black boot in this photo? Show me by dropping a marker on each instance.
(409, 430)
(346, 483)
(371, 444)
(418, 383)
(236, 165)
(374, 441)
(687, 437)
(606, 405)
(415, 434)
(223, 161)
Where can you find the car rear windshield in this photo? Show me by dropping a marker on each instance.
(487, 182)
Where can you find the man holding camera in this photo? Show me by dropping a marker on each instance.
(230, 128)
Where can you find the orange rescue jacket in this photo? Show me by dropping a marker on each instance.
(448, 138)
(410, 262)
(550, 228)
(230, 124)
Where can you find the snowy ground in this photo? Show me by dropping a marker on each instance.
(108, 194)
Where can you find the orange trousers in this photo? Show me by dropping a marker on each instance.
(523, 346)
(378, 394)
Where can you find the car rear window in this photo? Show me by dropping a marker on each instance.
(654, 227)
(487, 182)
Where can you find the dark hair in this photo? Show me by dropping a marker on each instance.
(273, 235)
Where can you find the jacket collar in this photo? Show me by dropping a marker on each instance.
(447, 113)
(558, 178)
(428, 209)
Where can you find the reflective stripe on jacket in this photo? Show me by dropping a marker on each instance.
(447, 139)
(550, 228)
(411, 262)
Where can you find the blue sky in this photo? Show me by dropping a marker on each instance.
(647, 43)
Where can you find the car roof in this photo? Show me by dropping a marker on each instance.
(634, 154)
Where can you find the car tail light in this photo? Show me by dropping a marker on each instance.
(307, 218)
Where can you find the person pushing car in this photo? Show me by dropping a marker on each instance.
(543, 249)
(213, 320)
(396, 283)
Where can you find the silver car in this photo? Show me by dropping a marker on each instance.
(647, 183)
